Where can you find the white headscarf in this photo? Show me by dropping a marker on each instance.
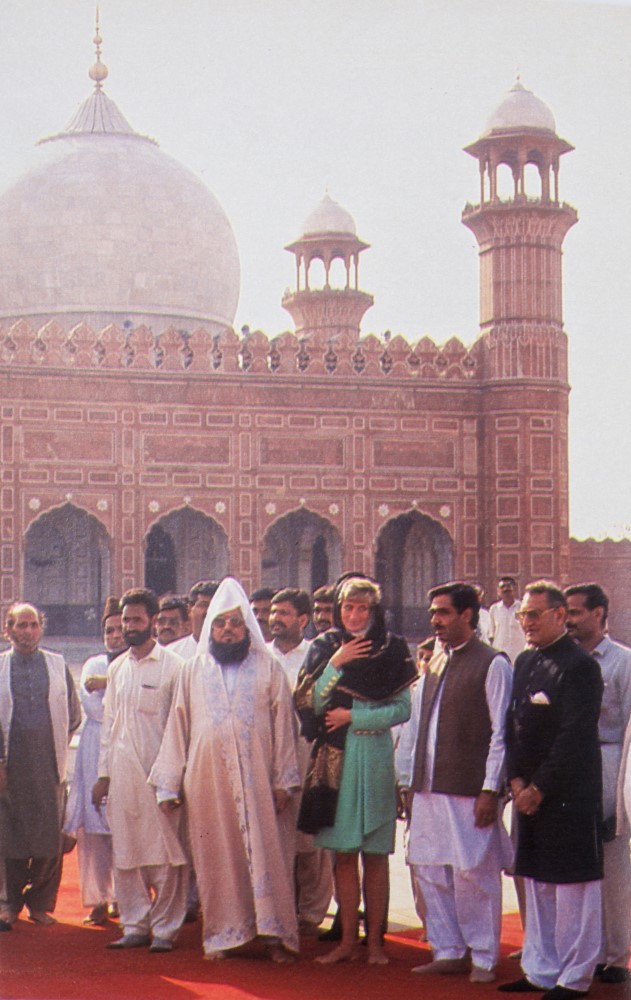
(230, 595)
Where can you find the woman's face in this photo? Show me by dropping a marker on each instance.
(356, 614)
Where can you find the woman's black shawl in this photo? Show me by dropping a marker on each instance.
(388, 670)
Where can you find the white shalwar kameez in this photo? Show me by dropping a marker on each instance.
(457, 866)
(83, 821)
(150, 863)
(614, 660)
(229, 743)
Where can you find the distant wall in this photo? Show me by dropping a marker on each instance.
(609, 564)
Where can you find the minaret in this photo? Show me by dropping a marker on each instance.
(523, 349)
(329, 233)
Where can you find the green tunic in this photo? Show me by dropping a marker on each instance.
(366, 806)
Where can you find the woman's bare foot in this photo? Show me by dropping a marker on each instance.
(339, 954)
(214, 956)
(377, 956)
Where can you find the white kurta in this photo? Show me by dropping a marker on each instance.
(80, 813)
(136, 708)
(615, 713)
(83, 821)
(455, 865)
(442, 831)
(506, 634)
(186, 647)
(227, 752)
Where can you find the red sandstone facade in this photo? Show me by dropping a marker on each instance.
(131, 458)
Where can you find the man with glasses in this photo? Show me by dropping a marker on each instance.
(554, 770)
(229, 753)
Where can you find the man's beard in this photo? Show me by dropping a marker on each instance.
(230, 652)
(138, 638)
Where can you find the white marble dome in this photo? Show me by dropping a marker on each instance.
(107, 228)
(520, 109)
(329, 217)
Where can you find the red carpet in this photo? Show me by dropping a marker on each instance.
(69, 962)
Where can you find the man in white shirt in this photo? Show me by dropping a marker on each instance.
(505, 632)
(289, 616)
(587, 608)
(450, 760)
(150, 864)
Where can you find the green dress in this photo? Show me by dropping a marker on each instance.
(366, 807)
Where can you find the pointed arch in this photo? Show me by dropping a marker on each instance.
(182, 547)
(301, 549)
(67, 569)
(414, 553)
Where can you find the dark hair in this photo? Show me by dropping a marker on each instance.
(554, 595)
(508, 579)
(595, 596)
(112, 607)
(299, 599)
(141, 595)
(174, 603)
(463, 596)
(326, 594)
(203, 588)
(262, 594)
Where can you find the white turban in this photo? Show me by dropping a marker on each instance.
(230, 595)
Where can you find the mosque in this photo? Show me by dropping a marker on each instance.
(145, 441)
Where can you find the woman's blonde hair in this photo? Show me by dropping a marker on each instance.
(359, 587)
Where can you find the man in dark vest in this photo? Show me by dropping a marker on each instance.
(451, 760)
(554, 769)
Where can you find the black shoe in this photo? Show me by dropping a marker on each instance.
(614, 974)
(522, 985)
(5, 926)
(563, 993)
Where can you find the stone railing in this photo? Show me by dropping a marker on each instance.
(225, 353)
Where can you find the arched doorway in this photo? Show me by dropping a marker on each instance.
(301, 549)
(67, 570)
(414, 553)
(183, 547)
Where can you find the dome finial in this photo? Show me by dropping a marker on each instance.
(99, 71)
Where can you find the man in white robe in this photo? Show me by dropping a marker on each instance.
(229, 753)
(150, 864)
(457, 844)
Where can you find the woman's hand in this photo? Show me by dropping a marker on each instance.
(354, 649)
(335, 718)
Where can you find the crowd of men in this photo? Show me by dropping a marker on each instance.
(187, 783)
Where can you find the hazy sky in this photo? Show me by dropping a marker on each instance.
(274, 101)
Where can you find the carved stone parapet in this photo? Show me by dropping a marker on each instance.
(321, 354)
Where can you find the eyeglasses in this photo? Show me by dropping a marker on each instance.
(532, 615)
(235, 620)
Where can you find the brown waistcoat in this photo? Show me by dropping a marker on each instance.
(464, 729)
